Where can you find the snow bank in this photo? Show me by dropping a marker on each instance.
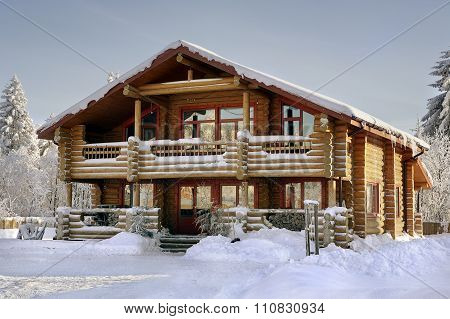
(125, 243)
(122, 244)
(264, 246)
(380, 255)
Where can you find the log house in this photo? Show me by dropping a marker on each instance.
(188, 127)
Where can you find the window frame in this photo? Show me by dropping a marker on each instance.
(323, 191)
(299, 119)
(217, 121)
(375, 200)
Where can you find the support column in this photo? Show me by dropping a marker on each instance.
(244, 194)
(190, 75)
(69, 194)
(137, 133)
(246, 110)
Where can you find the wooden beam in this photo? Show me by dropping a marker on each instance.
(246, 110)
(132, 92)
(190, 75)
(181, 84)
(195, 89)
(195, 65)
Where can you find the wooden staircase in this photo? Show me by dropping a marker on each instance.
(178, 243)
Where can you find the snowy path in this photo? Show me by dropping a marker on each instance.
(217, 269)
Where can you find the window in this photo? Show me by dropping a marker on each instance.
(203, 123)
(231, 121)
(200, 123)
(231, 196)
(372, 199)
(148, 127)
(296, 193)
(398, 212)
(296, 122)
(146, 195)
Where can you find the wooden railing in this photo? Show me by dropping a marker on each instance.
(99, 151)
(282, 144)
(253, 156)
(186, 149)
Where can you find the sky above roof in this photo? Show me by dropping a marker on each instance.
(299, 41)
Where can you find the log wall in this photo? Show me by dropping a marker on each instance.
(409, 198)
(374, 174)
(64, 141)
(359, 183)
(342, 161)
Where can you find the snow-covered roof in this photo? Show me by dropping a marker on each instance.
(266, 79)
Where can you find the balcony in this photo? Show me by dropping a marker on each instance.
(249, 156)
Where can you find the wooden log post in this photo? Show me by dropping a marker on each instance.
(69, 194)
(390, 204)
(190, 75)
(246, 110)
(137, 133)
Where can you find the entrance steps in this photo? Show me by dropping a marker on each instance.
(178, 243)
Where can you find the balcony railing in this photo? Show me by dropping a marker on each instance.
(252, 156)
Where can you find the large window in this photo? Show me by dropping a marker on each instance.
(231, 121)
(372, 199)
(148, 127)
(231, 196)
(200, 123)
(296, 122)
(146, 195)
(218, 123)
(296, 193)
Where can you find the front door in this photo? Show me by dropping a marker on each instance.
(193, 200)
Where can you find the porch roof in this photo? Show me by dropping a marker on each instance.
(292, 91)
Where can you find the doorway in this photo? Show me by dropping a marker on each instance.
(193, 200)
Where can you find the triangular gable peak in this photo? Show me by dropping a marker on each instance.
(159, 66)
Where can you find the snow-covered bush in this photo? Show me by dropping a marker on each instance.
(213, 221)
(21, 184)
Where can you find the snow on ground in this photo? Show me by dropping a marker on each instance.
(264, 264)
(12, 233)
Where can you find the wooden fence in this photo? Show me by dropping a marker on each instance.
(430, 228)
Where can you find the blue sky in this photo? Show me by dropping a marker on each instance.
(305, 42)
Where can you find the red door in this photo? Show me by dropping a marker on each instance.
(192, 200)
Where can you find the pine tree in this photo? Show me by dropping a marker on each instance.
(16, 126)
(438, 115)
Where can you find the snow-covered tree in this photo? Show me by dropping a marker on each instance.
(16, 126)
(438, 115)
(435, 202)
(22, 190)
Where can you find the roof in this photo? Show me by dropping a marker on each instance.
(422, 177)
(248, 73)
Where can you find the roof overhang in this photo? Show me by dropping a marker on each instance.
(309, 100)
(422, 179)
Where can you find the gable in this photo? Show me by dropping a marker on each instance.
(105, 98)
